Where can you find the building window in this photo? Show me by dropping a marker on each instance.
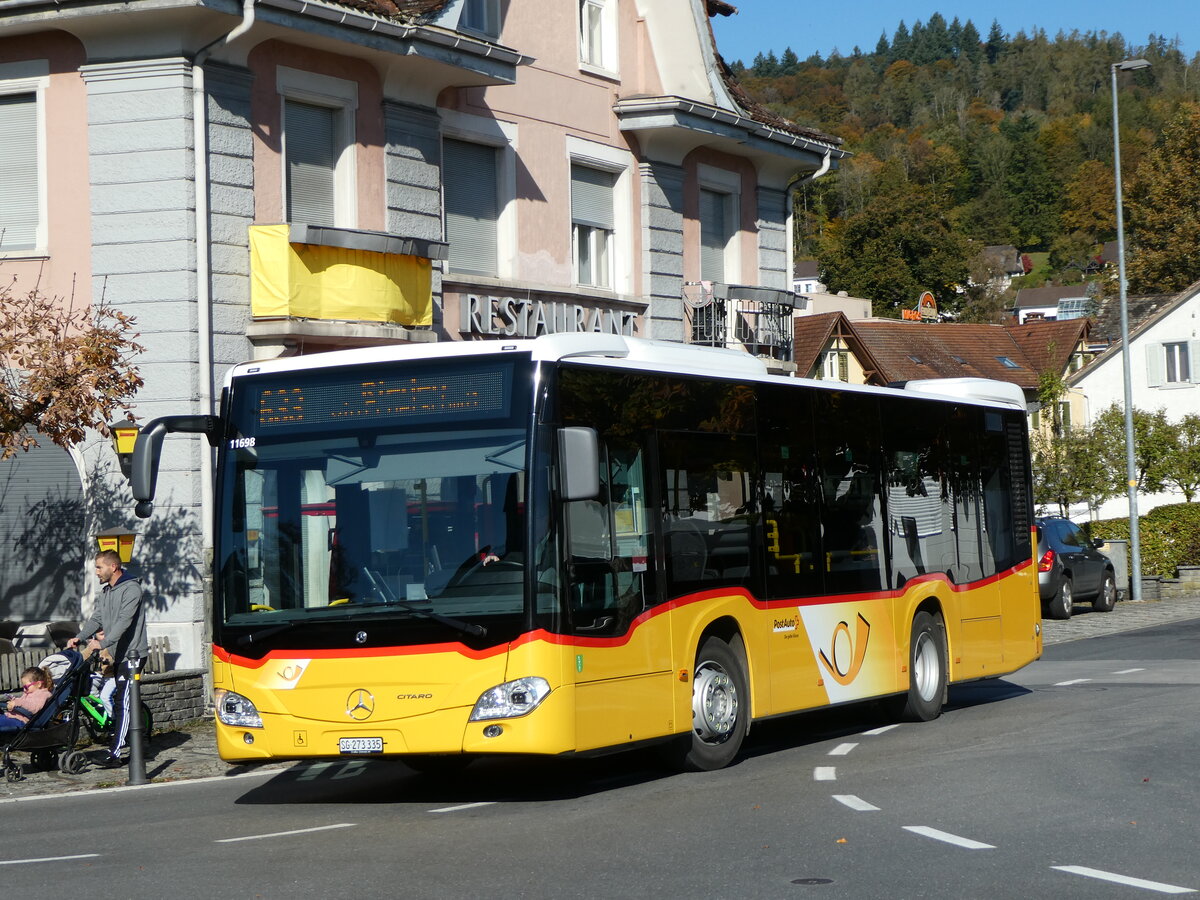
(1176, 369)
(470, 183)
(598, 34)
(716, 233)
(592, 225)
(22, 177)
(1007, 362)
(1172, 363)
(836, 366)
(482, 16)
(318, 148)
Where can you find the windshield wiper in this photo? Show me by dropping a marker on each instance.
(389, 599)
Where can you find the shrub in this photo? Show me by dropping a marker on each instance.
(1169, 537)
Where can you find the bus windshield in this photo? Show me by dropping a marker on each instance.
(394, 492)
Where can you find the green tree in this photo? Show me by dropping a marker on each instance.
(1182, 467)
(1068, 470)
(898, 246)
(1154, 440)
(1164, 220)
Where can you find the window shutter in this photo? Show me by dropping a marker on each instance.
(311, 159)
(844, 366)
(592, 197)
(470, 183)
(19, 213)
(1193, 348)
(714, 235)
(1154, 365)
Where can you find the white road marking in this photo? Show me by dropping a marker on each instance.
(825, 773)
(948, 838)
(1126, 880)
(1072, 681)
(463, 806)
(1128, 671)
(855, 803)
(45, 859)
(274, 834)
(842, 749)
(881, 729)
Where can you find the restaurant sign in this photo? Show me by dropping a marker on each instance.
(481, 314)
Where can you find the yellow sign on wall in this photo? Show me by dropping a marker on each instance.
(310, 281)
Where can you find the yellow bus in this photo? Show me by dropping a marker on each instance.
(582, 543)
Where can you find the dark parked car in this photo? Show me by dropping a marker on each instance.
(1071, 568)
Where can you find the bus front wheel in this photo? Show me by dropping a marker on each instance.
(927, 673)
(720, 708)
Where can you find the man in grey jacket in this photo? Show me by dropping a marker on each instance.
(118, 626)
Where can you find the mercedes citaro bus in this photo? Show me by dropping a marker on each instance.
(586, 542)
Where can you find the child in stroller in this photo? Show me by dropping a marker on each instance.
(36, 685)
(51, 733)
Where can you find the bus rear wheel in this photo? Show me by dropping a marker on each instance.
(720, 708)
(927, 672)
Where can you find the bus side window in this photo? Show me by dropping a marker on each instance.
(791, 495)
(609, 547)
(710, 510)
(855, 557)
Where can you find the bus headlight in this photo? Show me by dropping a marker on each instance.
(511, 699)
(234, 709)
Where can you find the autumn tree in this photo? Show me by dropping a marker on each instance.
(1164, 222)
(63, 368)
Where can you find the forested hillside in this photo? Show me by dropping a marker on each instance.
(961, 141)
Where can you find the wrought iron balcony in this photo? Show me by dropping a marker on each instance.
(757, 320)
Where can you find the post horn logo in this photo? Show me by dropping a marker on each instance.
(360, 705)
(841, 669)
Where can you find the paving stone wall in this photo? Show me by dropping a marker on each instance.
(175, 697)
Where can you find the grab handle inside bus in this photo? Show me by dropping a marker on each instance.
(143, 476)
(579, 463)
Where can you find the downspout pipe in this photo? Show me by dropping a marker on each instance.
(204, 256)
(791, 209)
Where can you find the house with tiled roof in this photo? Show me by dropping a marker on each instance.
(887, 351)
(264, 178)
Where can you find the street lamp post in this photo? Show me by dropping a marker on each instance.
(1135, 547)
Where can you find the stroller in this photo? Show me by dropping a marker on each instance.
(51, 735)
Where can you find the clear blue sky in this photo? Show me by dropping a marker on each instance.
(809, 28)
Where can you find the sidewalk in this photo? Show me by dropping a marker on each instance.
(171, 756)
(192, 753)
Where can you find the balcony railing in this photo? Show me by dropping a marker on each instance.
(754, 319)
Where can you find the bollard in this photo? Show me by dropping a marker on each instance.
(137, 760)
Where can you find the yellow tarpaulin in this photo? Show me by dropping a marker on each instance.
(307, 281)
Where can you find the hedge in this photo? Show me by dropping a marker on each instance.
(1169, 537)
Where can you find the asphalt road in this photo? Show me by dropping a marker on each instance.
(1072, 779)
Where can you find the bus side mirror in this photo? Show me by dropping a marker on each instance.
(143, 476)
(579, 463)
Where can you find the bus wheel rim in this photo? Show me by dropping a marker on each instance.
(714, 703)
(926, 668)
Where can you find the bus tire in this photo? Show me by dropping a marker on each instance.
(927, 672)
(720, 708)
